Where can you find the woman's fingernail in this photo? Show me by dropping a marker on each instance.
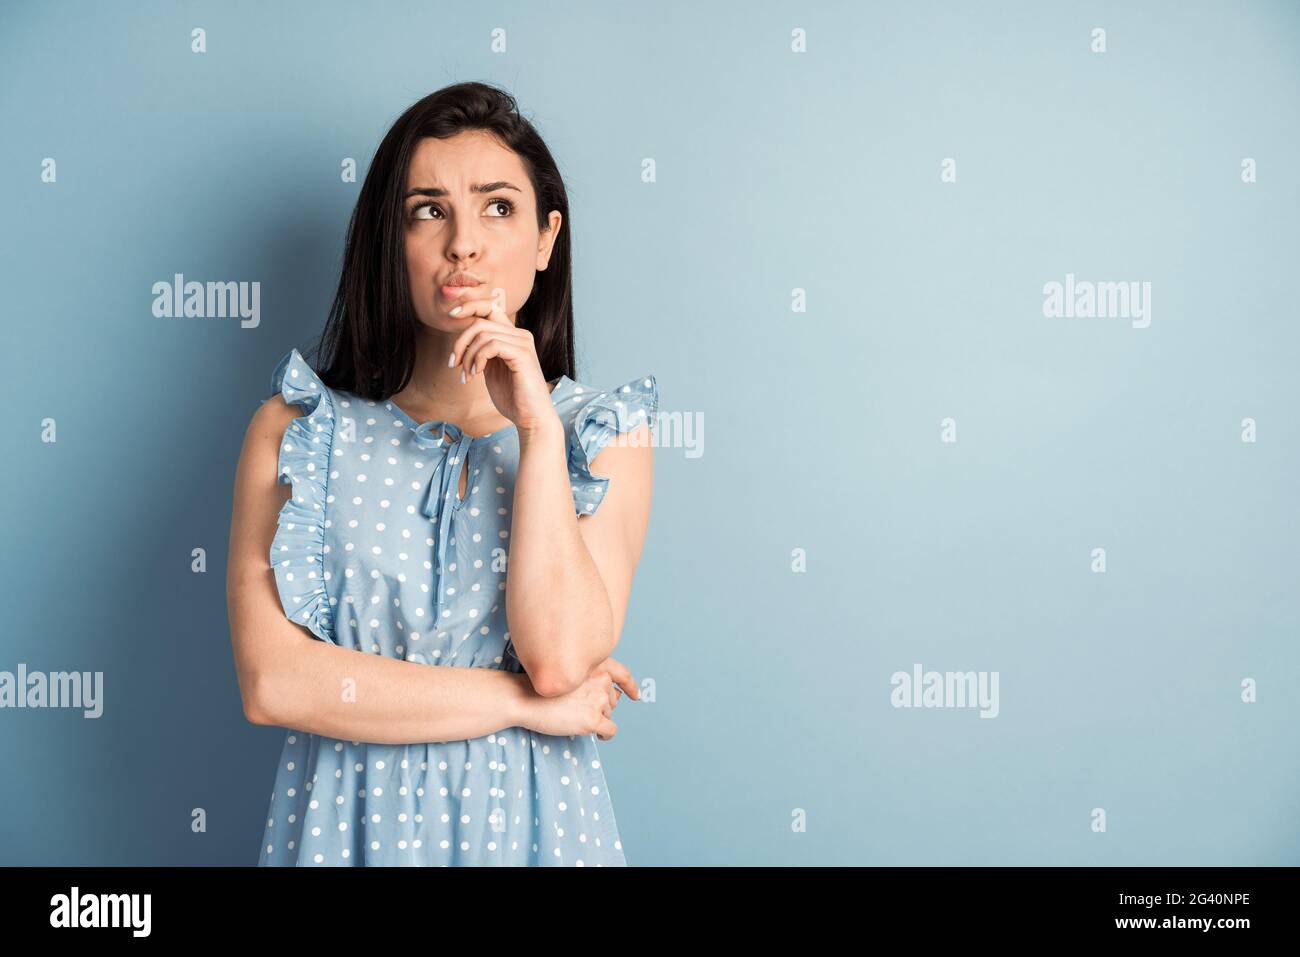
(462, 376)
(473, 369)
(451, 360)
(454, 311)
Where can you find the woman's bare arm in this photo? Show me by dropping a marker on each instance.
(289, 677)
(571, 576)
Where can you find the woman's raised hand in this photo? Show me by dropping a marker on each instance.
(506, 356)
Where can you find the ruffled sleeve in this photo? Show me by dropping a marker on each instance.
(600, 418)
(298, 549)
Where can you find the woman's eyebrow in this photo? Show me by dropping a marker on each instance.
(474, 187)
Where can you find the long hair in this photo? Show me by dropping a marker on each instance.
(368, 344)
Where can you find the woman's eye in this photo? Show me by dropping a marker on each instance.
(426, 210)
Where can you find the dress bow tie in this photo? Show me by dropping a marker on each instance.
(439, 506)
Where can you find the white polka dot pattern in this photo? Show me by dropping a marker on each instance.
(376, 552)
(603, 416)
(304, 462)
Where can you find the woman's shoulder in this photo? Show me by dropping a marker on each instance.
(272, 417)
(594, 418)
(580, 401)
(293, 381)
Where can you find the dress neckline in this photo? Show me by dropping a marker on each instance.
(436, 424)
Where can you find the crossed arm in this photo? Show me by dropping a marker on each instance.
(580, 581)
(570, 576)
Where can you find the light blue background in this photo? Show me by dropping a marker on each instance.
(776, 171)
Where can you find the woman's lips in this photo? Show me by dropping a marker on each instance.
(453, 292)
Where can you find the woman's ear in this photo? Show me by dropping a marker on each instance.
(547, 242)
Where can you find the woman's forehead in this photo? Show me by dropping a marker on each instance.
(466, 159)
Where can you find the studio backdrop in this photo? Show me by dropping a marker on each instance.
(974, 328)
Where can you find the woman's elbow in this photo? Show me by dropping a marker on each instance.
(554, 682)
(257, 700)
(253, 715)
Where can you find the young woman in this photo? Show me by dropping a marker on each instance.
(453, 524)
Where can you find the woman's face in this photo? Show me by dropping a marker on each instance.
(454, 224)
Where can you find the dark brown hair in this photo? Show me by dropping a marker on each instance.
(368, 344)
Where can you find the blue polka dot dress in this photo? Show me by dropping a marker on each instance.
(375, 551)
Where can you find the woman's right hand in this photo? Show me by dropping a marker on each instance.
(587, 708)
